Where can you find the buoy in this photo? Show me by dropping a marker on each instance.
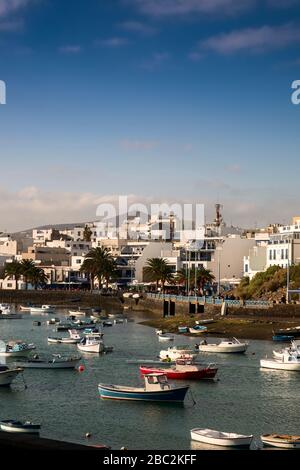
(81, 368)
(88, 435)
(123, 448)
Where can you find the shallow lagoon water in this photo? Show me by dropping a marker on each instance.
(244, 398)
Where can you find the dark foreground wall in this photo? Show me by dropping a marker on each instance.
(60, 298)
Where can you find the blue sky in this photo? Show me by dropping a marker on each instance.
(163, 100)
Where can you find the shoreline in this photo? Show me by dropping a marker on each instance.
(239, 327)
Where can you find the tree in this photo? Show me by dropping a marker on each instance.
(203, 276)
(158, 270)
(27, 268)
(99, 263)
(87, 234)
(13, 269)
(37, 277)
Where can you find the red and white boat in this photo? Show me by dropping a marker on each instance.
(184, 370)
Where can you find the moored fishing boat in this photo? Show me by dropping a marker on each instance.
(183, 329)
(288, 361)
(293, 331)
(184, 370)
(91, 343)
(7, 375)
(15, 349)
(225, 346)
(53, 321)
(26, 308)
(166, 337)
(283, 338)
(77, 313)
(226, 439)
(56, 361)
(156, 389)
(43, 309)
(11, 425)
(198, 329)
(205, 321)
(284, 441)
(177, 352)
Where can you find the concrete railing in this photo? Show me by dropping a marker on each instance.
(212, 300)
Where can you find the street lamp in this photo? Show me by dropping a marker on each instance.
(219, 249)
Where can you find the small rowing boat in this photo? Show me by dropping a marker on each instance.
(284, 441)
(225, 439)
(10, 425)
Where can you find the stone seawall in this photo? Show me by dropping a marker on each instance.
(60, 298)
(156, 307)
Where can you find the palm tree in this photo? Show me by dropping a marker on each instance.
(98, 263)
(13, 269)
(37, 277)
(27, 267)
(203, 276)
(158, 270)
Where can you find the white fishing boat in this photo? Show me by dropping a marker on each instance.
(284, 441)
(53, 321)
(166, 337)
(288, 361)
(26, 308)
(7, 375)
(294, 348)
(177, 352)
(217, 438)
(118, 321)
(56, 361)
(77, 313)
(205, 321)
(91, 343)
(225, 346)
(11, 425)
(15, 349)
(43, 309)
(198, 329)
(65, 340)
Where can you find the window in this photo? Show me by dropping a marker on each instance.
(246, 268)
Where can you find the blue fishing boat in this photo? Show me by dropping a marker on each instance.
(157, 388)
(183, 329)
(283, 338)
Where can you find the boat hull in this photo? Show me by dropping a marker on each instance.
(63, 340)
(16, 353)
(91, 348)
(223, 349)
(205, 373)
(173, 395)
(224, 442)
(7, 377)
(280, 442)
(25, 429)
(278, 365)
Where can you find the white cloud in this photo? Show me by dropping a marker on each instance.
(164, 8)
(260, 39)
(112, 42)
(156, 60)
(11, 6)
(70, 49)
(138, 27)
